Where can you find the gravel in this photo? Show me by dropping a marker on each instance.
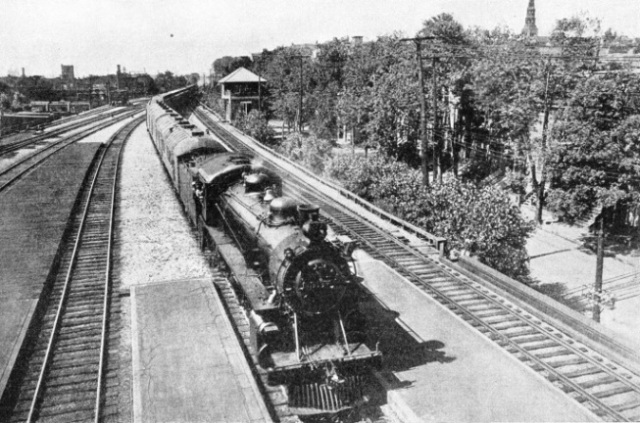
(157, 243)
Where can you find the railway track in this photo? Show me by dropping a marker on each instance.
(64, 377)
(15, 146)
(604, 387)
(17, 170)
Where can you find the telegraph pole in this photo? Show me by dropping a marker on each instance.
(423, 110)
(434, 123)
(423, 117)
(300, 57)
(301, 95)
(599, 268)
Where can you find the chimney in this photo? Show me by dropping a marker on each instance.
(23, 75)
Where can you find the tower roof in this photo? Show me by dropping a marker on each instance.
(241, 75)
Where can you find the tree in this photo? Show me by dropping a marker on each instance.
(598, 161)
(255, 124)
(227, 64)
(448, 76)
(193, 78)
(308, 150)
(167, 81)
(519, 87)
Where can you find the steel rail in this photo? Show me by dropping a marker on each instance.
(60, 144)
(126, 132)
(63, 297)
(8, 148)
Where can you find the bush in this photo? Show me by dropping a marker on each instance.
(308, 150)
(515, 182)
(570, 206)
(257, 126)
(481, 221)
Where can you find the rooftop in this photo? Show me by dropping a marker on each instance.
(241, 75)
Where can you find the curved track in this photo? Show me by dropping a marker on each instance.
(18, 169)
(604, 387)
(64, 377)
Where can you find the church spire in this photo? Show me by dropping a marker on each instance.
(530, 28)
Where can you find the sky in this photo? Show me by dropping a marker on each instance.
(186, 36)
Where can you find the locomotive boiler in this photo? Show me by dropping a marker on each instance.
(296, 278)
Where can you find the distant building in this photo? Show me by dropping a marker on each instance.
(240, 92)
(39, 106)
(307, 50)
(67, 73)
(68, 77)
(530, 29)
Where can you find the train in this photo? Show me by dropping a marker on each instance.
(295, 278)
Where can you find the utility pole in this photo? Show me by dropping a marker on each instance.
(599, 267)
(434, 123)
(301, 95)
(90, 89)
(423, 117)
(423, 110)
(300, 124)
(543, 150)
(260, 84)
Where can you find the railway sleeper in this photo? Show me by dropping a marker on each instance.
(68, 412)
(538, 345)
(554, 352)
(631, 404)
(510, 324)
(78, 375)
(86, 346)
(600, 381)
(516, 335)
(611, 391)
(573, 361)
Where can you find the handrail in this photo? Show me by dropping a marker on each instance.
(437, 242)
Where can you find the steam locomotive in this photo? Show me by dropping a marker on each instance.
(295, 278)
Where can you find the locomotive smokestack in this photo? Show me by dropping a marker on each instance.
(312, 228)
(306, 211)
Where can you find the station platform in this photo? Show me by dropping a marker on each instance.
(452, 372)
(187, 364)
(33, 216)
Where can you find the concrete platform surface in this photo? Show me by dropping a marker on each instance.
(461, 376)
(187, 363)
